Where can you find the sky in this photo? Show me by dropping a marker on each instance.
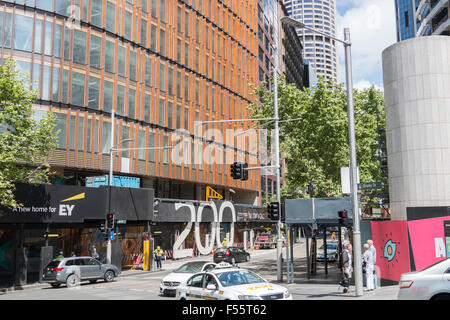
(372, 29)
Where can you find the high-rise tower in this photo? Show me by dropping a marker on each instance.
(320, 51)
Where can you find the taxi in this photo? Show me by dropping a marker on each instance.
(226, 282)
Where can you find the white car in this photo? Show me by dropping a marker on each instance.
(230, 283)
(172, 280)
(432, 283)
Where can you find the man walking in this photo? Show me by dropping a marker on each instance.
(374, 258)
(347, 265)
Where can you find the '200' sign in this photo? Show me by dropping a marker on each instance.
(215, 225)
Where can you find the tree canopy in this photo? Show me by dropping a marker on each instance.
(26, 138)
(316, 145)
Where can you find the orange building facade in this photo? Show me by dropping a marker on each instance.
(161, 65)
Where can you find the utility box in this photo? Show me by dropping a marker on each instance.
(118, 181)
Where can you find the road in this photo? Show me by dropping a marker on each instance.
(141, 285)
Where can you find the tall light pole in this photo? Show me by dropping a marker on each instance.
(352, 145)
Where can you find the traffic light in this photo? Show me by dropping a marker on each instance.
(244, 172)
(110, 221)
(274, 210)
(342, 216)
(239, 171)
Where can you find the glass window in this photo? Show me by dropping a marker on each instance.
(88, 135)
(94, 93)
(48, 38)
(162, 78)
(106, 136)
(128, 24)
(65, 86)
(110, 16)
(109, 56)
(153, 9)
(162, 42)
(186, 118)
(153, 38)
(141, 144)
(121, 64)
(170, 81)
(66, 43)
(77, 97)
(165, 151)
(162, 10)
(132, 65)
(161, 112)
(131, 103)
(186, 87)
(80, 133)
(147, 103)
(44, 5)
(55, 84)
(120, 99)
(72, 133)
(144, 32)
(107, 95)
(96, 12)
(79, 49)
(148, 72)
(38, 36)
(36, 76)
(178, 117)
(95, 51)
(23, 32)
(169, 114)
(46, 83)
(151, 144)
(6, 41)
(61, 125)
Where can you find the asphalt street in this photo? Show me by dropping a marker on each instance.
(144, 285)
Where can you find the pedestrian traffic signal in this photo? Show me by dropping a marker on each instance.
(244, 172)
(110, 221)
(342, 216)
(274, 210)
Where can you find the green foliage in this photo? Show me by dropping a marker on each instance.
(25, 141)
(316, 146)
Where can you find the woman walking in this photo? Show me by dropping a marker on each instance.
(368, 261)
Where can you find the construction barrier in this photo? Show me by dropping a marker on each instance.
(168, 254)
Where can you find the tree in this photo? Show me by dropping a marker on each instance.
(316, 145)
(25, 140)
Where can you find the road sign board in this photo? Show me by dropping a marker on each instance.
(111, 235)
(369, 185)
(121, 221)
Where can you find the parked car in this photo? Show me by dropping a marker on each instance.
(75, 269)
(230, 283)
(231, 255)
(432, 283)
(170, 282)
(332, 252)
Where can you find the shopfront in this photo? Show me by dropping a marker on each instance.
(68, 219)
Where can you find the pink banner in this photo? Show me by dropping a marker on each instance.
(390, 239)
(427, 241)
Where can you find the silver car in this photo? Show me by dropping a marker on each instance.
(75, 269)
(432, 283)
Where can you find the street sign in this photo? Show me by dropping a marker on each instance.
(111, 235)
(369, 185)
(121, 221)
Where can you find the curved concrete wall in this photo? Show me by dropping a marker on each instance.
(417, 97)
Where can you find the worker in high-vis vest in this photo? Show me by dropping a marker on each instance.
(159, 253)
(224, 243)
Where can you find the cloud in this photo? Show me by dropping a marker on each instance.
(364, 84)
(372, 29)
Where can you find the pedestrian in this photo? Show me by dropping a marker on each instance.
(158, 257)
(94, 253)
(224, 243)
(72, 254)
(347, 266)
(333, 236)
(368, 261)
(61, 255)
(373, 250)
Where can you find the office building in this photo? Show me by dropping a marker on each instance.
(418, 18)
(162, 65)
(320, 51)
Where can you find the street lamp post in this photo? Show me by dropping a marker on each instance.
(352, 146)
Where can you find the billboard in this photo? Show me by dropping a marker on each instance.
(390, 239)
(427, 241)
